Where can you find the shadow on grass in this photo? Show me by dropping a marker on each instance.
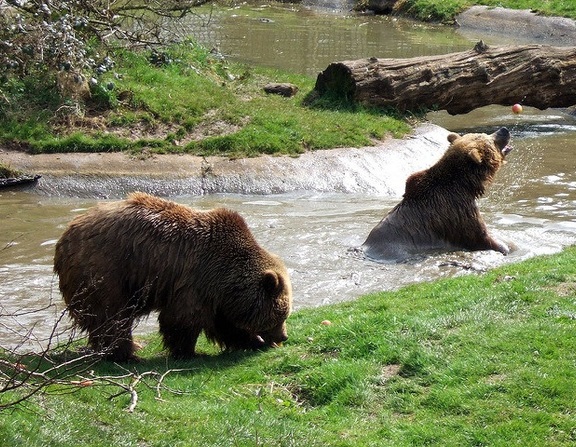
(71, 368)
(344, 102)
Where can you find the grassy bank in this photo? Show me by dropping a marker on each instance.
(446, 10)
(186, 99)
(477, 360)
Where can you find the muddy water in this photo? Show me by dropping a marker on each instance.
(531, 205)
(305, 40)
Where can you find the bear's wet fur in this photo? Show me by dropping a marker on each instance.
(438, 211)
(201, 270)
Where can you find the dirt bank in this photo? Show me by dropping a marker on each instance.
(520, 26)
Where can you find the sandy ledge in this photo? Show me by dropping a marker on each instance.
(381, 169)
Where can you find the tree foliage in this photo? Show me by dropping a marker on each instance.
(74, 37)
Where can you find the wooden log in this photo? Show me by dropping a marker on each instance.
(533, 75)
(12, 182)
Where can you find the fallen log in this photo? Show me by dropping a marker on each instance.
(534, 75)
(12, 182)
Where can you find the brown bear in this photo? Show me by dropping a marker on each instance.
(201, 270)
(438, 211)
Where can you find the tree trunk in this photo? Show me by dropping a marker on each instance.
(533, 75)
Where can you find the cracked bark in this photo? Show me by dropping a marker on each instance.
(534, 75)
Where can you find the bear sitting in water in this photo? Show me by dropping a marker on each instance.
(202, 270)
(438, 211)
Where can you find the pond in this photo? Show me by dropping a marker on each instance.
(532, 203)
(306, 40)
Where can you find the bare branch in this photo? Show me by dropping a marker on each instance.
(54, 34)
(57, 369)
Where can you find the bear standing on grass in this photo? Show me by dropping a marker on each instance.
(438, 211)
(202, 270)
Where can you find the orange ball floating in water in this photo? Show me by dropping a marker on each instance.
(517, 108)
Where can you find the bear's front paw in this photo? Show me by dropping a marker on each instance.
(502, 248)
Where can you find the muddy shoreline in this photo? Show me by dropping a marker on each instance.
(381, 169)
(521, 26)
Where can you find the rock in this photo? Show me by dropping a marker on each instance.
(283, 88)
(381, 6)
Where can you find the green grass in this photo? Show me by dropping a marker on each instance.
(196, 103)
(446, 10)
(479, 360)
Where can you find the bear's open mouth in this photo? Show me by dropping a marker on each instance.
(507, 149)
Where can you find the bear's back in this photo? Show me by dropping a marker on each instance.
(172, 221)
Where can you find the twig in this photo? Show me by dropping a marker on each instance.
(133, 394)
(161, 379)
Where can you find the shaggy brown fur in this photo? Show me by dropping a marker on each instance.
(438, 211)
(202, 270)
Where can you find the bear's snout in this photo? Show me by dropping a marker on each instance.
(502, 138)
(274, 337)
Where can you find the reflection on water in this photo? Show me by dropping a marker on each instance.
(304, 40)
(532, 203)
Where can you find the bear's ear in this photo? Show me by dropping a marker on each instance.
(271, 282)
(475, 155)
(453, 137)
